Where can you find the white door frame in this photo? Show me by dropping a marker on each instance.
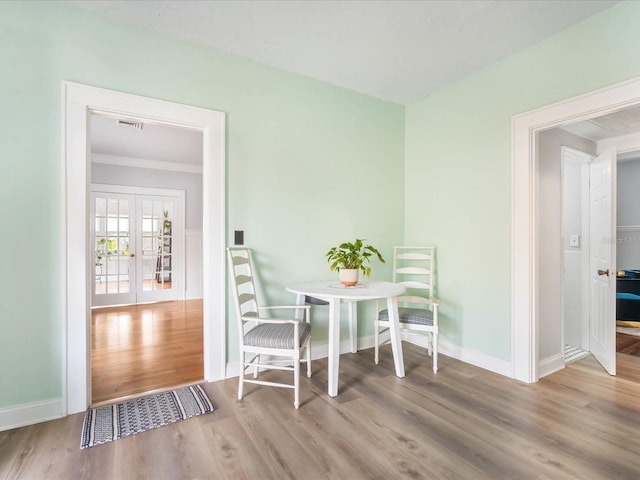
(524, 127)
(78, 102)
(571, 155)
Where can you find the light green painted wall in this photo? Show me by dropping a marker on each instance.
(458, 165)
(309, 165)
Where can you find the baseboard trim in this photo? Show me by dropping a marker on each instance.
(550, 365)
(466, 355)
(30, 413)
(473, 357)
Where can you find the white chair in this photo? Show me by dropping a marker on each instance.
(262, 335)
(413, 267)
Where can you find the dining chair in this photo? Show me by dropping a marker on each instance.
(260, 334)
(414, 268)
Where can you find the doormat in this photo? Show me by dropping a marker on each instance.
(112, 422)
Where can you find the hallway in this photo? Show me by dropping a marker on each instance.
(140, 348)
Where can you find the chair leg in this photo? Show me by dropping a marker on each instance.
(434, 336)
(309, 358)
(376, 341)
(241, 377)
(256, 368)
(296, 382)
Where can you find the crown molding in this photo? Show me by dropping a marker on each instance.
(145, 163)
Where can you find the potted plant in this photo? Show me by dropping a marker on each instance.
(350, 258)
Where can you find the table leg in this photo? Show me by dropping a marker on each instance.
(299, 313)
(353, 326)
(394, 331)
(334, 345)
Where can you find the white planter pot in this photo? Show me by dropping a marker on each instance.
(349, 277)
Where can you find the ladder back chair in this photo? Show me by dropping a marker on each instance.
(413, 267)
(263, 335)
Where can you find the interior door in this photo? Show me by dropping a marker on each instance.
(602, 234)
(160, 232)
(113, 267)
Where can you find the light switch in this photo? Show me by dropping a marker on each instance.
(574, 240)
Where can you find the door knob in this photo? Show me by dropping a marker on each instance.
(604, 272)
(133, 255)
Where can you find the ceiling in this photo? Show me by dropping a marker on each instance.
(150, 141)
(616, 124)
(398, 51)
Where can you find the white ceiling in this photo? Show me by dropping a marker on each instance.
(152, 142)
(394, 50)
(616, 124)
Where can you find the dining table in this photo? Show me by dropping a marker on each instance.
(335, 294)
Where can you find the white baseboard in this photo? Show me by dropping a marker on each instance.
(473, 357)
(476, 358)
(30, 413)
(550, 365)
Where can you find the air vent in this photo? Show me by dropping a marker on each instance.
(136, 125)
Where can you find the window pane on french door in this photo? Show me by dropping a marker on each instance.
(111, 245)
(157, 244)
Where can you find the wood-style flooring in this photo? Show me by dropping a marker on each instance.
(629, 344)
(142, 348)
(461, 423)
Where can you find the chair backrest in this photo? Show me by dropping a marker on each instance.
(242, 281)
(414, 268)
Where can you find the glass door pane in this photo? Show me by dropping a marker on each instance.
(158, 248)
(157, 241)
(113, 269)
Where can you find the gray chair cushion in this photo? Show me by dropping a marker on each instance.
(269, 335)
(415, 316)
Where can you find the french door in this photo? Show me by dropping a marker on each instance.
(137, 245)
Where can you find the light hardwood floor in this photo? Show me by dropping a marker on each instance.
(461, 423)
(142, 348)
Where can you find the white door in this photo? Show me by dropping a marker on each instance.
(113, 243)
(137, 241)
(159, 234)
(602, 234)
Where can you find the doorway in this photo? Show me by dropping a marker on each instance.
(145, 336)
(525, 216)
(80, 102)
(566, 155)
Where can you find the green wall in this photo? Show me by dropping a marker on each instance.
(309, 165)
(458, 165)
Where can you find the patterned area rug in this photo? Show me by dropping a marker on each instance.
(111, 422)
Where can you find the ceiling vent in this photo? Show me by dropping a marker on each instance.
(136, 125)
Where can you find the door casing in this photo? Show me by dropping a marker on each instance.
(78, 103)
(524, 128)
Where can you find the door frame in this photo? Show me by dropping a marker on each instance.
(179, 250)
(524, 127)
(78, 103)
(572, 155)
